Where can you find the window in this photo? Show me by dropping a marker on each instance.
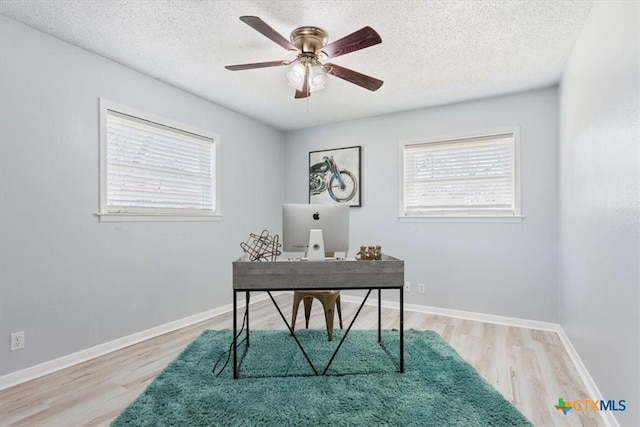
(470, 176)
(152, 169)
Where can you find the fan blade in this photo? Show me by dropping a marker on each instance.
(364, 37)
(304, 92)
(354, 77)
(240, 67)
(260, 26)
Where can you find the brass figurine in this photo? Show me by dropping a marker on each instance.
(369, 253)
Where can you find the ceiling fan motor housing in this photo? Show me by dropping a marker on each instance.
(309, 39)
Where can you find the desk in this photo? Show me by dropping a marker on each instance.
(248, 277)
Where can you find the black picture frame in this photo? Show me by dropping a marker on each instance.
(324, 183)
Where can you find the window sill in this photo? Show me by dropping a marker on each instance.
(466, 218)
(121, 217)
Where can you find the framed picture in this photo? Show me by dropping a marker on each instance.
(334, 176)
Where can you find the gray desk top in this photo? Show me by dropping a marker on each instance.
(284, 274)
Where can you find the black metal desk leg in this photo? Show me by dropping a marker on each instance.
(247, 311)
(235, 327)
(401, 330)
(379, 315)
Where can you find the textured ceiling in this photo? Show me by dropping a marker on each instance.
(432, 52)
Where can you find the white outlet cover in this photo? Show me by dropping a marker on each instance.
(17, 341)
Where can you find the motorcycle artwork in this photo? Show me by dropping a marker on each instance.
(340, 184)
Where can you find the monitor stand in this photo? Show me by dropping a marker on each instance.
(315, 251)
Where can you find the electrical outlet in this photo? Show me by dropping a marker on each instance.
(407, 286)
(421, 288)
(17, 341)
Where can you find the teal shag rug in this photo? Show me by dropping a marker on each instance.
(363, 388)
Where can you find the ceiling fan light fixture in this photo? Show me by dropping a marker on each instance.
(317, 77)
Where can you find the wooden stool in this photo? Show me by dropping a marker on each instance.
(329, 300)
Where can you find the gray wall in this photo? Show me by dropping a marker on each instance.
(599, 299)
(507, 269)
(69, 281)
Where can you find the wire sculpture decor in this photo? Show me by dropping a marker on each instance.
(263, 247)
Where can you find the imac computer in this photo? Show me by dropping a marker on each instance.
(315, 229)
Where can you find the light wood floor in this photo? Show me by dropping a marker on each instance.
(529, 367)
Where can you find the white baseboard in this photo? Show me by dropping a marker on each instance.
(592, 389)
(469, 315)
(63, 362)
(49, 367)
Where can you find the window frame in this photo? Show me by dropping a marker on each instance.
(466, 215)
(106, 214)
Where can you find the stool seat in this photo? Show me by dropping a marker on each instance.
(330, 299)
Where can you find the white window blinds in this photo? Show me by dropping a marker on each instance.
(156, 169)
(470, 176)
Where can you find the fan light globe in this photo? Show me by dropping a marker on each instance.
(296, 76)
(317, 78)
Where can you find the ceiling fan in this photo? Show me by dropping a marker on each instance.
(309, 44)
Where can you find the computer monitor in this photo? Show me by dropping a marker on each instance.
(299, 219)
